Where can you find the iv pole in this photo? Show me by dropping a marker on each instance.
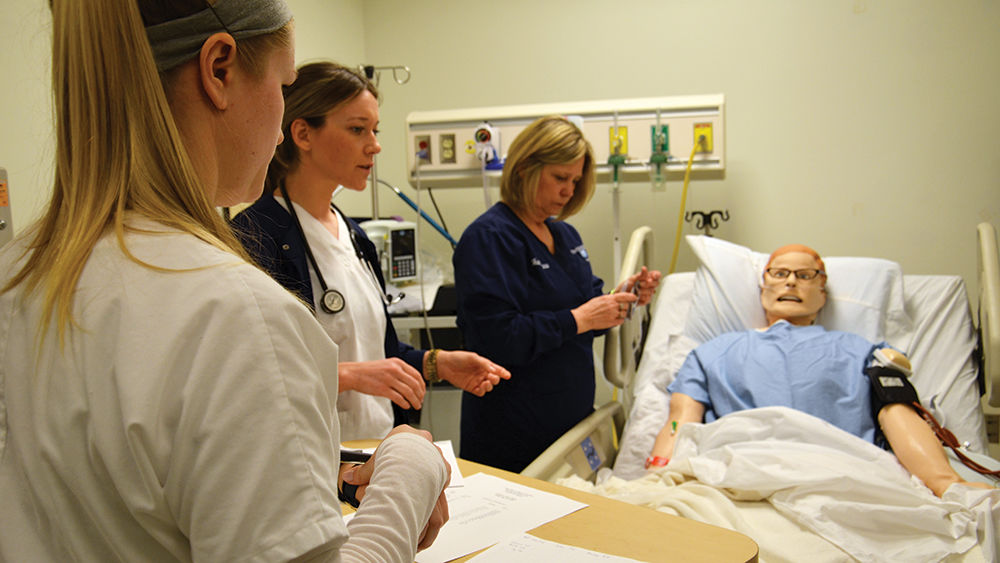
(372, 73)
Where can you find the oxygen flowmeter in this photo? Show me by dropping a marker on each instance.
(487, 142)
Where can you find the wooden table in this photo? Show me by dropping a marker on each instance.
(611, 526)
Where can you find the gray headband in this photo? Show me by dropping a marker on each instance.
(178, 41)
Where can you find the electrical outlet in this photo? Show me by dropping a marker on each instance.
(703, 129)
(447, 148)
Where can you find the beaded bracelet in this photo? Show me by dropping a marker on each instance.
(431, 371)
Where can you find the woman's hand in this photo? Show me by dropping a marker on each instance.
(439, 517)
(647, 280)
(361, 475)
(391, 378)
(603, 311)
(469, 371)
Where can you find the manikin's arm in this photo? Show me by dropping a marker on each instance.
(683, 409)
(917, 448)
(912, 440)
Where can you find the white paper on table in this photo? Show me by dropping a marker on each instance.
(529, 548)
(449, 455)
(490, 509)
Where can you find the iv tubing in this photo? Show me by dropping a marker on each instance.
(420, 282)
(416, 207)
(680, 218)
(420, 271)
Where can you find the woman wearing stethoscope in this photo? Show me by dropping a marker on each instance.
(306, 244)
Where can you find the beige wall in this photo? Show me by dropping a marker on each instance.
(862, 127)
(858, 126)
(26, 133)
(324, 29)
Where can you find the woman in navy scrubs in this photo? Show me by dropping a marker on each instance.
(527, 299)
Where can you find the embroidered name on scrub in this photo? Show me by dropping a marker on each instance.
(539, 264)
(581, 251)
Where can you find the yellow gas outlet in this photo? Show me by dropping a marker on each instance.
(618, 140)
(703, 129)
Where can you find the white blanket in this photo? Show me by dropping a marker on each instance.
(844, 490)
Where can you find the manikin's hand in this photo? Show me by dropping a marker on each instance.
(391, 378)
(469, 371)
(683, 409)
(663, 447)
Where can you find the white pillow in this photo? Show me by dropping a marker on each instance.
(864, 295)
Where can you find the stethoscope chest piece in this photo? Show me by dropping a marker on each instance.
(332, 301)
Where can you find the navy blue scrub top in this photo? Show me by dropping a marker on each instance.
(514, 302)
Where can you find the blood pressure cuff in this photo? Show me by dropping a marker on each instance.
(888, 387)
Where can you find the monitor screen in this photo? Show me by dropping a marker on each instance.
(403, 242)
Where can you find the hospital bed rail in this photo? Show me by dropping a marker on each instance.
(989, 326)
(593, 442)
(584, 449)
(623, 344)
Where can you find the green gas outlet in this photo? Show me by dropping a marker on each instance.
(659, 138)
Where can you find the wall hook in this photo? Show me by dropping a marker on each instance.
(706, 221)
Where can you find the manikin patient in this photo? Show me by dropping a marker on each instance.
(797, 364)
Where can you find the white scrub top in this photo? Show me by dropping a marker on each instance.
(187, 417)
(358, 330)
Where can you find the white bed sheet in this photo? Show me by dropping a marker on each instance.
(829, 495)
(939, 342)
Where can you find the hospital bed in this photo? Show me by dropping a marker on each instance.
(928, 317)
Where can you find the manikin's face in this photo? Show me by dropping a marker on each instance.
(343, 149)
(556, 185)
(792, 299)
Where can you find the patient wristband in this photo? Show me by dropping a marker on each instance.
(656, 461)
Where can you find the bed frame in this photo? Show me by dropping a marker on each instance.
(989, 332)
(593, 443)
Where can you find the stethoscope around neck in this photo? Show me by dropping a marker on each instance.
(332, 301)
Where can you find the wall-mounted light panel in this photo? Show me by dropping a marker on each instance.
(643, 130)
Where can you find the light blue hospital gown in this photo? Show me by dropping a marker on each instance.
(811, 369)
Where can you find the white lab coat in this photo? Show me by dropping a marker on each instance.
(358, 330)
(189, 417)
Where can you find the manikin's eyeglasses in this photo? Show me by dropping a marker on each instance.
(805, 275)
